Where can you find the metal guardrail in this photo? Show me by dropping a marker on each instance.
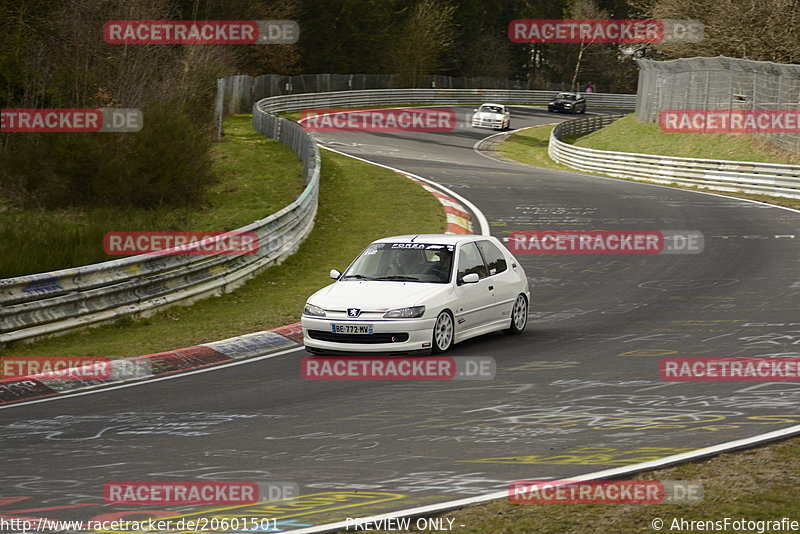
(242, 91)
(441, 97)
(49, 303)
(751, 177)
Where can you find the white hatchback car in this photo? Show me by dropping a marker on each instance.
(418, 293)
(495, 116)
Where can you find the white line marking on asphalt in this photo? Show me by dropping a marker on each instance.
(151, 380)
(482, 221)
(606, 473)
(510, 161)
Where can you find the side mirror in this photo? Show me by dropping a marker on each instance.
(475, 110)
(335, 274)
(470, 278)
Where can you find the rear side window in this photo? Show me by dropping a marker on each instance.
(470, 261)
(493, 256)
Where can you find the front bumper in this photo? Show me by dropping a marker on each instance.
(487, 124)
(412, 335)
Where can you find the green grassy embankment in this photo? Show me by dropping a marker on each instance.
(358, 203)
(627, 135)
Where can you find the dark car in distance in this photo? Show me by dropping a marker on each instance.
(568, 102)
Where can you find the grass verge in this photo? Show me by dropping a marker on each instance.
(358, 203)
(256, 176)
(755, 485)
(629, 135)
(530, 147)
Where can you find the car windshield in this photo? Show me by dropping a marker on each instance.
(403, 262)
(566, 96)
(491, 109)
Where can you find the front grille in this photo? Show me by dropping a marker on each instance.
(323, 335)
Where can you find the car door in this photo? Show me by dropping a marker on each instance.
(475, 303)
(505, 283)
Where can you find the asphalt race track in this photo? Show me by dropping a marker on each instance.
(578, 392)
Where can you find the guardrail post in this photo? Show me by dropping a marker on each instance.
(219, 109)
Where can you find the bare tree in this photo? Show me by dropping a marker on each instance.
(425, 37)
(65, 63)
(278, 59)
(765, 30)
(490, 56)
(582, 9)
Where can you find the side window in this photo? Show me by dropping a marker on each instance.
(470, 261)
(493, 256)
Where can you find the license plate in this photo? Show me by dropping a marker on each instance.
(351, 328)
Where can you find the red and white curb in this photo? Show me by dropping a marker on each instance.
(459, 221)
(456, 207)
(459, 205)
(279, 340)
(151, 366)
(257, 344)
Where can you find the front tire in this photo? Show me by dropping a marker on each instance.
(442, 333)
(519, 316)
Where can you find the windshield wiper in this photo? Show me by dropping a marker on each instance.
(398, 277)
(358, 276)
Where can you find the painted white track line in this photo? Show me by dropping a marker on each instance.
(460, 503)
(600, 177)
(148, 380)
(606, 473)
(482, 221)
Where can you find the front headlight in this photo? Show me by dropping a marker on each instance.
(313, 311)
(567, 105)
(405, 313)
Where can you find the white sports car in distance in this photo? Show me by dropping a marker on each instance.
(495, 116)
(418, 293)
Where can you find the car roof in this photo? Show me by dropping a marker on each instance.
(490, 104)
(432, 239)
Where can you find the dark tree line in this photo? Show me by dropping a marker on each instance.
(386, 37)
(52, 55)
